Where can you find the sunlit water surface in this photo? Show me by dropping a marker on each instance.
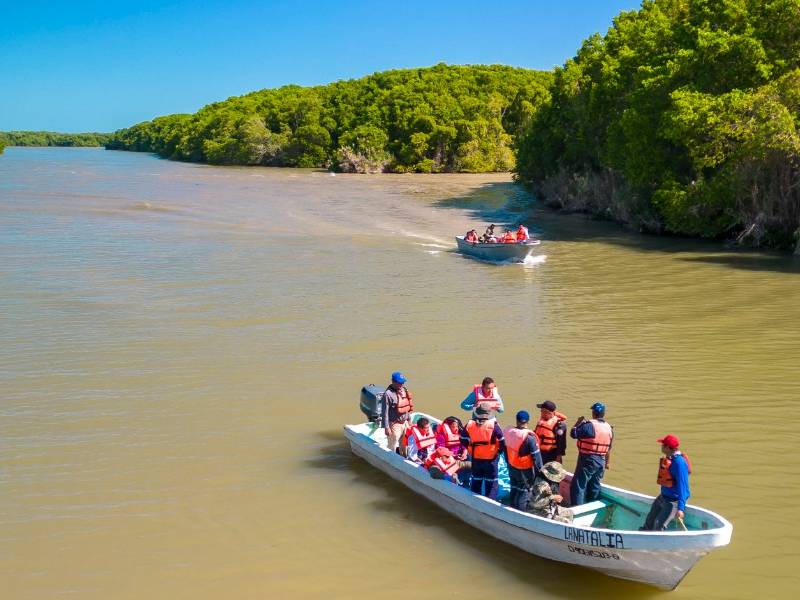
(181, 344)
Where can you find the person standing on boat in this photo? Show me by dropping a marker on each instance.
(524, 460)
(522, 233)
(546, 497)
(485, 440)
(486, 395)
(673, 477)
(594, 445)
(552, 432)
(488, 236)
(397, 407)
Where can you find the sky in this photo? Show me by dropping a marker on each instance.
(102, 65)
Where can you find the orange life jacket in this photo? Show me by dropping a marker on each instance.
(487, 402)
(545, 431)
(664, 476)
(423, 439)
(600, 444)
(447, 464)
(404, 401)
(471, 236)
(450, 439)
(481, 444)
(514, 440)
(522, 234)
(509, 238)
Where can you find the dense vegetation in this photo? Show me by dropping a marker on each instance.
(51, 138)
(442, 118)
(684, 118)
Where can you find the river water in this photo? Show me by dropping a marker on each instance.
(181, 344)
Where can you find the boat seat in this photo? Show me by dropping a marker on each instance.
(585, 513)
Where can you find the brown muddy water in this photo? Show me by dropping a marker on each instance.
(181, 344)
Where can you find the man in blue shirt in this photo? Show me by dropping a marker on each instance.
(594, 445)
(673, 477)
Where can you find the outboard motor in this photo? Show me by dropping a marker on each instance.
(372, 402)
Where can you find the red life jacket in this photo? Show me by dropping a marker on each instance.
(509, 238)
(487, 402)
(471, 236)
(545, 431)
(600, 444)
(514, 440)
(482, 446)
(451, 440)
(423, 439)
(404, 401)
(664, 476)
(522, 234)
(447, 464)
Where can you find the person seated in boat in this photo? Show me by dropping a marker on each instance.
(441, 464)
(674, 469)
(524, 460)
(546, 496)
(398, 405)
(509, 237)
(522, 234)
(421, 441)
(551, 430)
(486, 394)
(485, 440)
(488, 236)
(448, 435)
(471, 236)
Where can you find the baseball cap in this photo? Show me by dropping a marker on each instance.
(523, 416)
(547, 405)
(397, 377)
(670, 441)
(599, 408)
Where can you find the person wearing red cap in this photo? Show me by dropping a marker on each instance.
(673, 477)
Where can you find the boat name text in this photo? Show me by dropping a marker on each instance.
(594, 538)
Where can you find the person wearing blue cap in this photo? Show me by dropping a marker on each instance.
(524, 460)
(397, 407)
(594, 446)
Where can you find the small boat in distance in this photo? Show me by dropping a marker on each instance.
(497, 252)
(604, 535)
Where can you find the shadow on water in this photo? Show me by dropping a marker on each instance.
(543, 575)
(507, 204)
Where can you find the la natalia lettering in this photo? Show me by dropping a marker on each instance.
(601, 539)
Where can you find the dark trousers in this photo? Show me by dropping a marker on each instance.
(484, 478)
(550, 456)
(521, 481)
(661, 514)
(585, 486)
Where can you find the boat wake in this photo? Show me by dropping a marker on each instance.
(532, 261)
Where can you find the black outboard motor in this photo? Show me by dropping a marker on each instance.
(372, 402)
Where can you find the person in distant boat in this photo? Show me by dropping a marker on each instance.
(485, 440)
(471, 236)
(594, 446)
(673, 477)
(552, 432)
(421, 441)
(509, 237)
(397, 407)
(522, 234)
(488, 236)
(524, 460)
(486, 394)
(546, 496)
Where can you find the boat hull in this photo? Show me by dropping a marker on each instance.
(498, 252)
(660, 559)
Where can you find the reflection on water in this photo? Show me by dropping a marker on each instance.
(180, 344)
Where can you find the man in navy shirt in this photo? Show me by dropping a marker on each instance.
(673, 477)
(594, 445)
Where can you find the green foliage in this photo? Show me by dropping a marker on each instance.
(50, 138)
(693, 106)
(442, 118)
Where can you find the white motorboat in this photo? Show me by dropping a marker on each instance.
(604, 535)
(497, 252)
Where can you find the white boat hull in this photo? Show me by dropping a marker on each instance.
(498, 252)
(661, 559)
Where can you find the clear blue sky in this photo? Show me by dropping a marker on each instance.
(101, 65)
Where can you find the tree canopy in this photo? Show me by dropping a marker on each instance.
(51, 138)
(441, 118)
(684, 117)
